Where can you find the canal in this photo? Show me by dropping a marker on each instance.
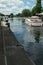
(30, 37)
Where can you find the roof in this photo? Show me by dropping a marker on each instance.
(34, 17)
(40, 13)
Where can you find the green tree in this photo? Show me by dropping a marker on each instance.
(42, 9)
(26, 13)
(19, 15)
(11, 15)
(1, 14)
(33, 11)
(38, 6)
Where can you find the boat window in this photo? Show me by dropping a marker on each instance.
(36, 19)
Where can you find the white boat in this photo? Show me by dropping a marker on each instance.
(33, 21)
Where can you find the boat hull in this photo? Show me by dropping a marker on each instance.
(33, 23)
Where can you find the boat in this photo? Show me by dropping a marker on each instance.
(34, 21)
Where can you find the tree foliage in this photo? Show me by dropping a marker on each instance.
(26, 13)
(33, 11)
(1, 14)
(11, 15)
(38, 6)
(42, 9)
(19, 15)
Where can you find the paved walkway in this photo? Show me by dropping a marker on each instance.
(11, 52)
(1, 49)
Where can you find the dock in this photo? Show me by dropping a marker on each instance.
(11, 52)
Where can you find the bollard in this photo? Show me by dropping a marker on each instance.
(6, 20)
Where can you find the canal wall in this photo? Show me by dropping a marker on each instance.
(11, 52)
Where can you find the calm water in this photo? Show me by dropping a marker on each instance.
(30, 37)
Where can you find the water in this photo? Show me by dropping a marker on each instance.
(30, 37)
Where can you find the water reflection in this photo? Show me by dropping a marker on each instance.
(31, 38)
(37, 35)
(32, 44)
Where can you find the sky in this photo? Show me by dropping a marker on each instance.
(16, 6)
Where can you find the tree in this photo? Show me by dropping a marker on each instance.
(26, 13)
(38, 6)
(33, 11)
(19, 15)
(11, 15)
(42, 9)
(1, 14)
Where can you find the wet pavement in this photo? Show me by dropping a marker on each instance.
(11, 52)
(1, 49)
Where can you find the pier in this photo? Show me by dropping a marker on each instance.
(11, 52)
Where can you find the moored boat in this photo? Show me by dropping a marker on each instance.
(34, 21)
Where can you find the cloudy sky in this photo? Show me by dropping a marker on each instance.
(16, 6)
